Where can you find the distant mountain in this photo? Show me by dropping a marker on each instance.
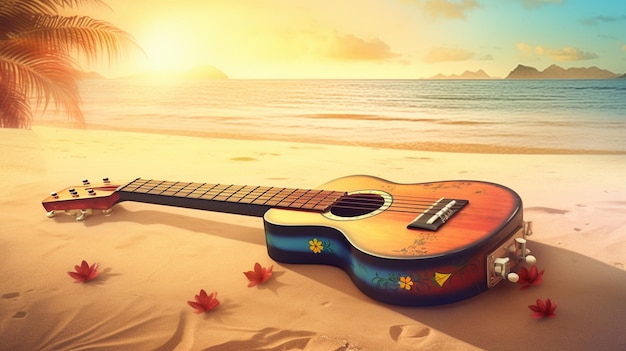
(480, 74)
(197, 73)
(623, 76)
(557, 72)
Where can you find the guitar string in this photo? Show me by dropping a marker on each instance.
(402, 203)
(230, 190)
(281, 195)
(407, 204)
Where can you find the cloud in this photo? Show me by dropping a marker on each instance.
(565, 54)
(568, 53)
(524, 48)
(453, 9)
(447, 55)
(531, 4)
(352, 48)
(593, 21)
(313, 42)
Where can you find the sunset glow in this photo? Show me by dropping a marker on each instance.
(368, 38)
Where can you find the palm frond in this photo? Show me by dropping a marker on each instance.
(50, 7)
(41, 74)
(38, 50)
(15, 111)
(86, 36)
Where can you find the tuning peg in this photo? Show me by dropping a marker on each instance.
(512, 277)
(106, 180)
(82, 215)
(522, 253)
(85, 181)
(528, 228)
(502, 266)
(50, 214)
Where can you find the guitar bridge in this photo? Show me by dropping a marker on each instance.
(437, 214)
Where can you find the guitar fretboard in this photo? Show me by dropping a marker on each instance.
(240, 199)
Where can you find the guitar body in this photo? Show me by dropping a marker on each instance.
(391, 262)
(404, 244)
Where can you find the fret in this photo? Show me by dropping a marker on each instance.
(269, 194)
(304, 198)
(201, 190)
(253, 195)
(291, 198)
(174, 189)
(228, 192)
(148, 186)
(322, 200)
(188, 189)
(273, 198)
(213, 192)
(240, 193)
(135, 186)
(159, 187)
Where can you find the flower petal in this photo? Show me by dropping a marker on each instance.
(537, 315)
(79, 278)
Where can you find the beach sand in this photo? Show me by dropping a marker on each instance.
(155, 258)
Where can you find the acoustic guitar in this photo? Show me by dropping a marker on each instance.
(404, 244)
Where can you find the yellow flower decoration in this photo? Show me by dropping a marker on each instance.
(442, 278)
(316, 246)
(405, 283)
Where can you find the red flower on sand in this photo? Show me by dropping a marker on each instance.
(84, 272)
(543, 309)
(204, 302)
(528, 278)
(259, 275)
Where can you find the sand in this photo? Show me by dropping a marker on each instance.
(155, 258)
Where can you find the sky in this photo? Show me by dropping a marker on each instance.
(354, 39)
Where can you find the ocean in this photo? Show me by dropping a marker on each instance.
(544, 116)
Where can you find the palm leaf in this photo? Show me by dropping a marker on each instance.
(39, 51)
(82, 35)
(49, 7)
(42, 75)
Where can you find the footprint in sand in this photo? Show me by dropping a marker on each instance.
(12, 295)
(409, 333)
(243, 159)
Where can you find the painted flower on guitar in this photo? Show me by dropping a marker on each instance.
(406, 283)
(316, 245)
(530, 277)
(259, 275)
(84, 272)
(543, 309)
(204, 302)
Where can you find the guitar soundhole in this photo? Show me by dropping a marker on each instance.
(357, 205)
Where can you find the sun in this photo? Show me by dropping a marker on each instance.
(167, 48)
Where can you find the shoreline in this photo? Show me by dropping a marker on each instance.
(465, 148)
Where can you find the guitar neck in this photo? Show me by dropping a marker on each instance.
(236, 199)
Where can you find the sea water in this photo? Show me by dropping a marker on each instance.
(459, 115)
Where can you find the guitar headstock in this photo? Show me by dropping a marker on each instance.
(82, 199)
